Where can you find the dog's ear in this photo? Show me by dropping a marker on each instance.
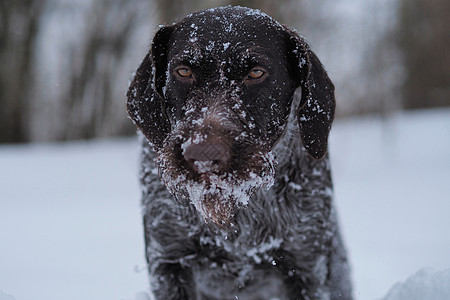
(316, 110)
(145, 100)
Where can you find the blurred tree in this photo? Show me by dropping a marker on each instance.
(19, 28)
(170, 11)
(93, 63)
(380, 73)
(65, 67)
(424, 39)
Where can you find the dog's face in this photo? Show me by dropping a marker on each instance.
(217, 59)
(213, 97)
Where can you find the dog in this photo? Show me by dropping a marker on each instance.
(235, 111)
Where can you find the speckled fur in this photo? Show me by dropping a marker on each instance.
(284, 244)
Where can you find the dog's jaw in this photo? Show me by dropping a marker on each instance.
(217, 196)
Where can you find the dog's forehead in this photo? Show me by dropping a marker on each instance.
(217, 30)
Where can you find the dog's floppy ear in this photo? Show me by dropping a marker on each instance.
(316, 110)
(145, 100)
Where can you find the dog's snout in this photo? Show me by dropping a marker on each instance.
(207, 156)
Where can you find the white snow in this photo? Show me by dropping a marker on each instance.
(263, 248)
(425, 284)
(226, 45)
(392, 192)
(70, 224)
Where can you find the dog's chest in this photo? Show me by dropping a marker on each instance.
(237, 270)
(249, 247)
(263, 286)
(239, 263)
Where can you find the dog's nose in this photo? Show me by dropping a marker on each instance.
(207, 156)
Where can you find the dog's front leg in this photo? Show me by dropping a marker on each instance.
(170, 269)
(171, 281)
(170, 235)
(170, 249)
(300, 284)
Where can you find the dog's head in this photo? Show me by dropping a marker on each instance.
(213, 96)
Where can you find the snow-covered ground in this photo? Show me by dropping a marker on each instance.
(70, 225)
(392, 186)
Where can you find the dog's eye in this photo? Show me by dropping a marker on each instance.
(256, 74)
(184, 72)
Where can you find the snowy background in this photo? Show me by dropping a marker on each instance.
(70, 224)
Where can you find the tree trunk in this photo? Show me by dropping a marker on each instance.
(20, 22)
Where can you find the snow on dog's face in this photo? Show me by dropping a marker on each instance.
(227, 98)
(209, 160)
(213, 97)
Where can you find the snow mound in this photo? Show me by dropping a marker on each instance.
(425, 284)
(6, 297)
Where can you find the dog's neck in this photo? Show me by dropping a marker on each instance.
(296, 169)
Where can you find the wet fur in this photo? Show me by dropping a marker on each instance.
(284, 243)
